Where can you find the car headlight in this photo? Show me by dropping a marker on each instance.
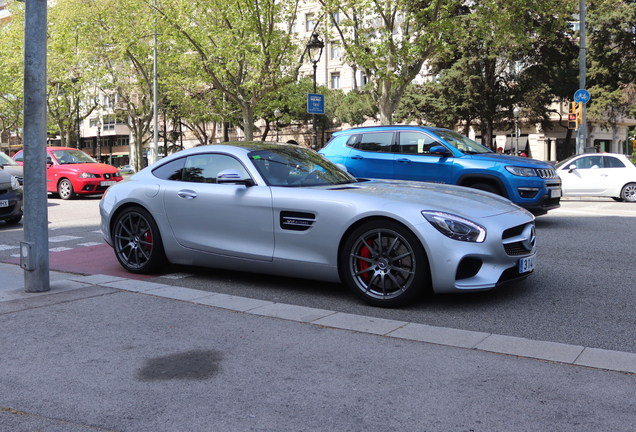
(15, 183)
(456, 227)
(521, 171)
(118, 174)
(87, 175)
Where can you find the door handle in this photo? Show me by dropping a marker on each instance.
(356, 157)
(404, 160)
(187, 194)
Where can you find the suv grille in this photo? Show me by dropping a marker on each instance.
(547, 173)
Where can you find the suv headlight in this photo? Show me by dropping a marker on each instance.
(521, 171)
(456, 227)
(87, 175)
(15, 183)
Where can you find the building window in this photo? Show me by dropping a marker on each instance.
(294, 27)
(335, 19)
(309, 22)
(335, 51)
(335, 80)
(363, 79)
(122, 141)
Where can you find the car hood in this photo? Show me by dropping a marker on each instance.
(513, 160)
(459, 200)
(92, 167)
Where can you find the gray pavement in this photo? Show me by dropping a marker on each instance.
(106, 353)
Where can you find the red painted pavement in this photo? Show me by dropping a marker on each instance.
(89, 260)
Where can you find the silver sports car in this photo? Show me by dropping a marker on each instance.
(285, 210)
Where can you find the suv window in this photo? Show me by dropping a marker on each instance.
(376, 142)
(416, 143)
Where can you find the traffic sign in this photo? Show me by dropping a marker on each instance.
(315, 103)
(582, 95)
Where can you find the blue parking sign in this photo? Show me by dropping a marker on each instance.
(315, 103)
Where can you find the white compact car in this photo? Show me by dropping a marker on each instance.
(598, 174)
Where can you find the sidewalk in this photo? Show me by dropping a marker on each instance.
(108, 353)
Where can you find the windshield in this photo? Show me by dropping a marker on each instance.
(565, 161)
(72, 157)
(461, 142)
(6, 160)
(294, 166)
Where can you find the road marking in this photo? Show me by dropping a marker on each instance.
(62, 238)
(8, 247)
(176, 275)
(90, 244)
(59, 249)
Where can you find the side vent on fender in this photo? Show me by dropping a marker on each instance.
(296, 221)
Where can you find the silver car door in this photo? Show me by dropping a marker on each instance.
(226, 219)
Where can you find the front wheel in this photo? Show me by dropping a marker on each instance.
(137, 241)
(65, 189)
(384, 264)
(629, 192)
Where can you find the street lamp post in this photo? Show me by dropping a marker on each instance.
(516, 112)
(314, 48)
(277, 114)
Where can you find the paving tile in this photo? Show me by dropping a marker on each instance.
(606, 359)
(378, 326)
(133, 285)
(551, 351)
(224, 301)
(439, 335)
(178, 293)
(291, 312)
(97, 279)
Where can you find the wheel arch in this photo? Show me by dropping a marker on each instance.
(374, 218)
(469, 180)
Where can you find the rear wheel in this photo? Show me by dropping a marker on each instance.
(629, 192)
(65, 189)
(384, 264)
(137, 241)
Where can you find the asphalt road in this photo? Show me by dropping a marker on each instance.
(582, 293)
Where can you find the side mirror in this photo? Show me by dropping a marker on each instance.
(572, 167)
(49, 161)
(439, 150)
(233, 176)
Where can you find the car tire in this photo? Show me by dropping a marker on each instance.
(14, 220)
(137, 242)
(385, 264)
(629, 192)
(65, 189)
(487, 188)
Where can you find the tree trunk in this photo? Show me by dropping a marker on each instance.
(248, 121)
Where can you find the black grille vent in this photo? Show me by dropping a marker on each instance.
(296, 221)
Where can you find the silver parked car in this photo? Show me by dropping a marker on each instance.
(285, 210)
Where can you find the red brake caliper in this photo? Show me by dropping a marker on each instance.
(365, 253)
(149, 240)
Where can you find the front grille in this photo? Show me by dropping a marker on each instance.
(468, 268)
(6, 210)
(519, 240)
(547, 173)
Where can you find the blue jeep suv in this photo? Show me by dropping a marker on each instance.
(443, 156)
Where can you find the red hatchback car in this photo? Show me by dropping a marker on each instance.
(72, 172)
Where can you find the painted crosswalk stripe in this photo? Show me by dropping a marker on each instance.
(62, 238)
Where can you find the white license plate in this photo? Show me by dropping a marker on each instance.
(108, 183)
(527, 264)
(555, 193)
(4, 203)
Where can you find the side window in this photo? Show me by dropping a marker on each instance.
(589, 162)
(18, 158)
(353, 140)
(205, 168)
(612, 162)
(170, 171)
(416, 143)
(376, 142)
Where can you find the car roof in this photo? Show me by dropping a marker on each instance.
(380, 128)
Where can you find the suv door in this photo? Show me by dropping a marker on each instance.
(414, 161)
(371, 155)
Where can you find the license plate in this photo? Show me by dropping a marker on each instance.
(4, 203)
(108, 183)
(555, 193)
(527, 264)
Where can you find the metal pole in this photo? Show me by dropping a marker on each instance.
(79, 146)
(583, 127)
(34, 251)
(313, 116)
(155, 134)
